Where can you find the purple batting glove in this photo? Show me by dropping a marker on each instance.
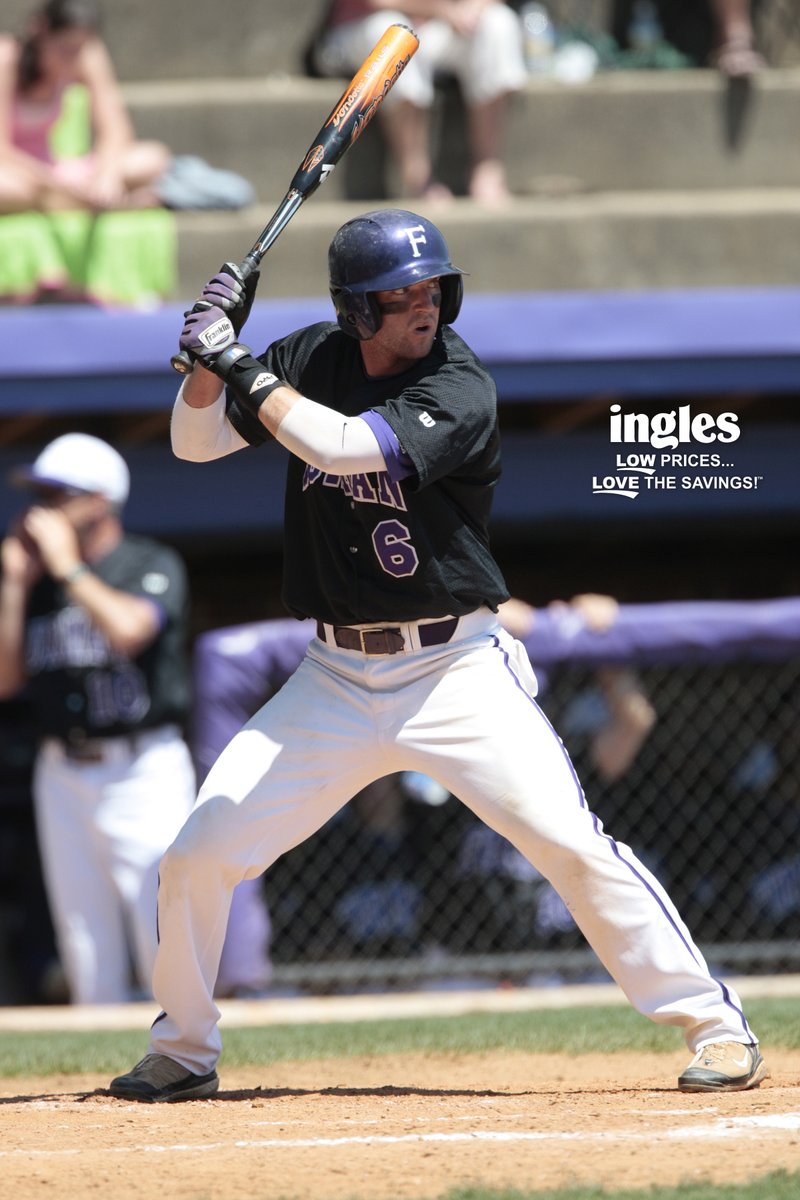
(233, 292)
(206, 332)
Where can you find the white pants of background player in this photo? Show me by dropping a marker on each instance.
(464, 714)
(486, 65)
(102, 829)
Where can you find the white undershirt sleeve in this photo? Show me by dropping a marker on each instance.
(202, 434)
(330, 442)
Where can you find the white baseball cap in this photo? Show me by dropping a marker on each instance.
(78, 460)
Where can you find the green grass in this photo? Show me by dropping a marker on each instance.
(777, 1186)
(573, 1031)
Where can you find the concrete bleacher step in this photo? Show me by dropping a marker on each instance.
(627, 182)
(641, 130)
(637, 179)
(611, 240)
(179, 41)
(257, 38)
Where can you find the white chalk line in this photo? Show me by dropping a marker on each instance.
(723, 1127)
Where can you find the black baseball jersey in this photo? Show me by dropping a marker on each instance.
(401, 544)
(79, 687)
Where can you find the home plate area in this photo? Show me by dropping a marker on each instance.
(415, 1125)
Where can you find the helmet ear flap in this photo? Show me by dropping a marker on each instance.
(357, 313)
(452, 296)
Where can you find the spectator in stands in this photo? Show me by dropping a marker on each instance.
(477, 41)
(617, 741)
(61, 47)
(715, 32)
(92, 626)
(735, 54)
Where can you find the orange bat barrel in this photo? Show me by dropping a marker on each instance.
(353, 111)
(356, 106)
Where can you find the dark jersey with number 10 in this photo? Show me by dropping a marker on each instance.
(79, 687)
(406, 543)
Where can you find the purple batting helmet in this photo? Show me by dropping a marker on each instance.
(381, 250)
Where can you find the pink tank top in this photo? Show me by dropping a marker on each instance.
(30, 126)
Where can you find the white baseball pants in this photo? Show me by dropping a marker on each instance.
(102, 828)
(464, 714)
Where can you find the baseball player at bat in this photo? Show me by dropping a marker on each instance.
(390, 425)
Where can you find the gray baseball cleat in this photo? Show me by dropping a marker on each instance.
(724, 1067)
(158, 1078)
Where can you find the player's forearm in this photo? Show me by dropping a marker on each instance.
(201, 388)
(617, 744)
(317, 435)
(128, 623)
(200, 430)
(320, 436)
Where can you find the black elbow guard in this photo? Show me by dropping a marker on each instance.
(245, 377)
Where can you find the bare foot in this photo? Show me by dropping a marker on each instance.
(488, 185)
(737, 59)
(435, 193)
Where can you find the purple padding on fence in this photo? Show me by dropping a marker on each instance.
(592, 326)
(674, 632)
(235, 670)
(507, 328)
(80, 340)
(238, 668)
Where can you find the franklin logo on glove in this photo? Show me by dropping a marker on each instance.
(217, 335)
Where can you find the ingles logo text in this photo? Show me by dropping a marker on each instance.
(667, 430)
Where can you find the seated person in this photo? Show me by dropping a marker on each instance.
(718, 33)
(478, 41)
(62, 47)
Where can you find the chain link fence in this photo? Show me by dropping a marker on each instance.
(405, 886)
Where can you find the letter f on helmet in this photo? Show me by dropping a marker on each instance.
(383, 250)
(416, 236)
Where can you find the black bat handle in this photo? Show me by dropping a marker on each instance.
(181, 362)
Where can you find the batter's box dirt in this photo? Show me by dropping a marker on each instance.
(391, 1128)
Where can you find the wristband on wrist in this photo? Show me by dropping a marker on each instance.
(245, 377)
(75, 573)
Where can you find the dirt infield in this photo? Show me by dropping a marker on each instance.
(389, 1128)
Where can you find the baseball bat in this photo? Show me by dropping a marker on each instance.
(351, 114)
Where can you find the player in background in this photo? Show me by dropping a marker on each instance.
(93, 623)
(390, 421)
